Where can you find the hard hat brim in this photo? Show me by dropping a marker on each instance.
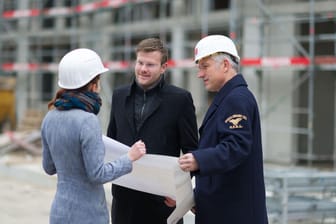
(82, 84)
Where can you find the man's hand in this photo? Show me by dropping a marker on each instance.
(188, 162)
(170, 202)
(193, 210)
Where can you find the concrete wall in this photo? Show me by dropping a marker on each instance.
(271, 86)
(262, 36)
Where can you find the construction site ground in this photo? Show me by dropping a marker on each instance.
(26, 192)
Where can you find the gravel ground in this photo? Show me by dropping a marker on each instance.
(23, 202)
(26, 192)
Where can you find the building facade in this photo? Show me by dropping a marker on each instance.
(287, 49)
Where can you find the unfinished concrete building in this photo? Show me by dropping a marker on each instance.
(287, 49)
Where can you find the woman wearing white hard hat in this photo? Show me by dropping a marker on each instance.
(228, 164)
(72, 143)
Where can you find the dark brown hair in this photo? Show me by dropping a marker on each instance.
(153, 44)
(81, 89)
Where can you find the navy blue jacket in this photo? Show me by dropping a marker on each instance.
(169, 127)
(230, 182)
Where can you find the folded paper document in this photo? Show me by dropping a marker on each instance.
(155, 174)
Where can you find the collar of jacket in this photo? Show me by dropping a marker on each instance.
(237, 80)
(158, 86)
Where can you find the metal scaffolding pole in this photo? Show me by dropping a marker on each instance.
(2, 23)
(205, 12)
(335, 110)
(233, 20)
(311, 71)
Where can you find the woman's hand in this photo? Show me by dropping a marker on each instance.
(137, 150)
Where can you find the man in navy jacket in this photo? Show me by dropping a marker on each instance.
(228, 164)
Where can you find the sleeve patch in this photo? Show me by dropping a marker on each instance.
(235, 120)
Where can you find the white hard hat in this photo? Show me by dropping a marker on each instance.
(215, 44)
(78, 67)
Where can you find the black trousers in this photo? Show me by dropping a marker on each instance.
(134, 207)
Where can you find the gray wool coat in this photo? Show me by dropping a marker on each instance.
(73, 149)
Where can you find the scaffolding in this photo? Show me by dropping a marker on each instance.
(35, 34)
(287, 53)
(302, 195)
(307, 65)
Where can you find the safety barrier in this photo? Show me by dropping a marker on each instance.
(300, 195)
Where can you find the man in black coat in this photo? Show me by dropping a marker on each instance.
(161, 115)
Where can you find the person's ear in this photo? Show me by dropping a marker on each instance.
(164, 67)
(96, 87)
(92, 87)
(225, 65)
